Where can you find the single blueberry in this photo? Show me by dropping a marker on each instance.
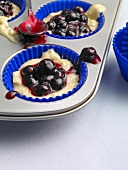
(29, 81)
(51, 25)
(60, 32)
(27, 71)
(78, 9)
(65, 12)
(46, 66)
(83, 18)
(57, 84)
(42, 89)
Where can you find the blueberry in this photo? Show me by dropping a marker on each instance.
(70, 33)
(46, 66)
(61, 17)
(7, 3)
(29, 81)
(78, 9)
(72, 27)
(83, 24)
(85, 29)
(88, 54)
(59, 73)
(27, 71)
(90, 51)
(49, 78)
(36, 74)
(6, 11)
(2, 3)
(60, 32)
(42, 79)
(42, 89)
(37, 90)
(10, 5)
(51, 25)
(6, 7)
(77, 16)
(65, 12)
(72, 16)
(57, 84)
(83, 18)
(74, 23)
(57, 19)
(62, 24)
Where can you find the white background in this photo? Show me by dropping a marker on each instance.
(93, 138)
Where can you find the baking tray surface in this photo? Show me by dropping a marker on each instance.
(18, 109)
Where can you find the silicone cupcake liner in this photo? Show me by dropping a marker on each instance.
(36, 52)
(21, 4)
(120, 46)
(56, 6)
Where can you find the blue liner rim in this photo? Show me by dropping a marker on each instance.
(51, 6)
(36, 52)
(21, 4)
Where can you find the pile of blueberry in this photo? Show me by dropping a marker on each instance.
(70, 23)
(43, 78)
(6, 8)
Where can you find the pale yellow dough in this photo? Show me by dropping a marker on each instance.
(6, 31)
(72, 79)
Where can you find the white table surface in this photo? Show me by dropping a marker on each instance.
(93, 138)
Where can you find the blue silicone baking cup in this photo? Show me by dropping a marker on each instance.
(36, 52)
(58, 5)
(21, 4)
(120, 46)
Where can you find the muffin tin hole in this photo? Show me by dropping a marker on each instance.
(17, 59)
(56, 6)
(21, 4)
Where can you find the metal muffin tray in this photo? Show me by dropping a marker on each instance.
(18, 109)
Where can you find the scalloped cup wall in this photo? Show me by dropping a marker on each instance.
(120, 46)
